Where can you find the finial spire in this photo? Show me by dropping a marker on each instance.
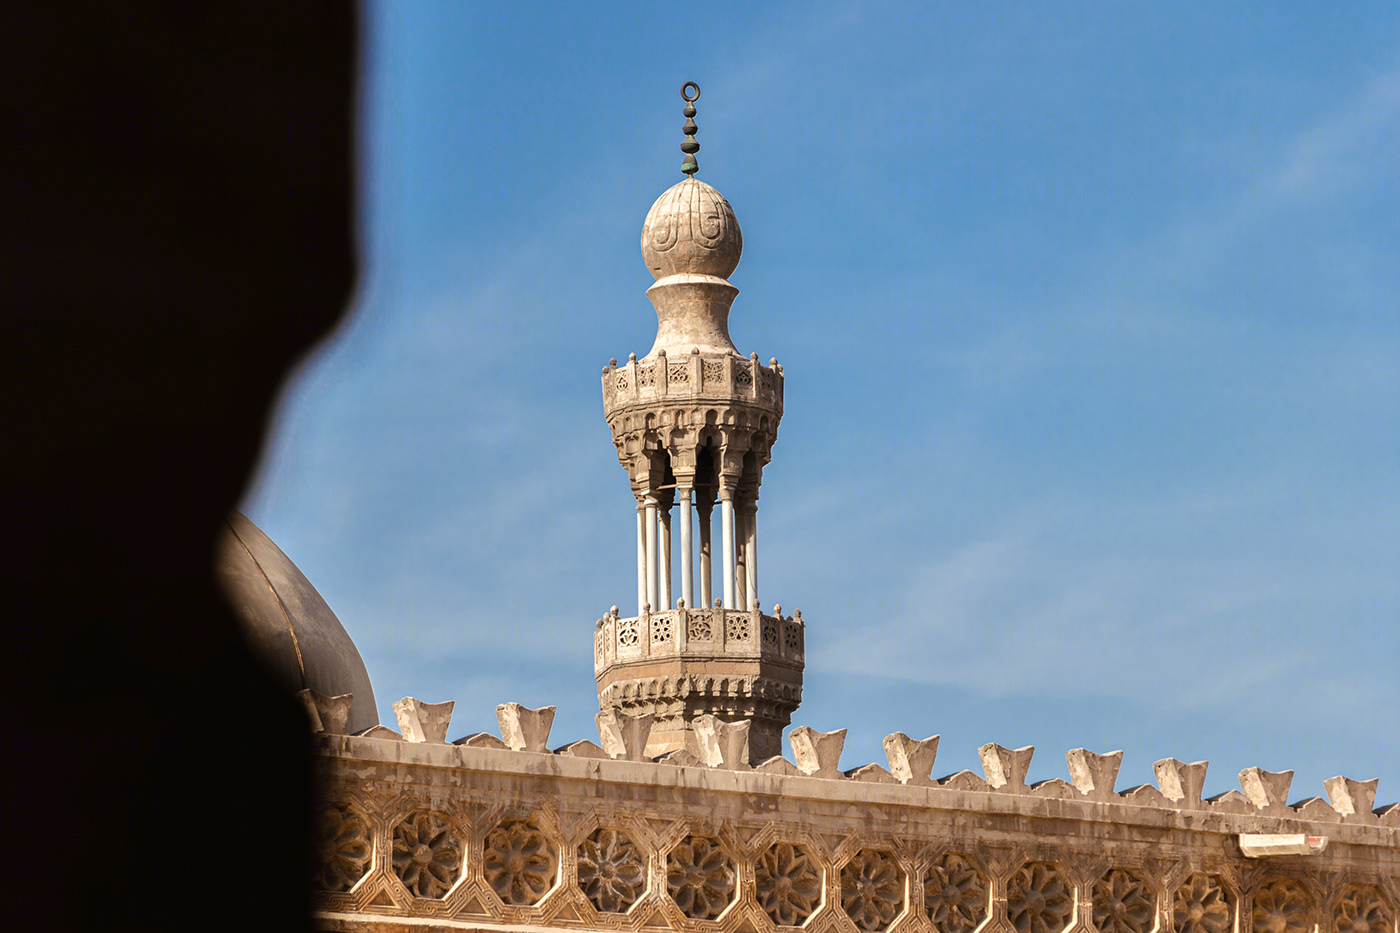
(690, 93)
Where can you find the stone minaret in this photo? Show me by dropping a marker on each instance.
(694, 424)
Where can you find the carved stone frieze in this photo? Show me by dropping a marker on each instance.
(700, 877)
(1362, 908)
(1123, 903)
(426, 854)
(1202, 905)
(792, 850)
(787, 883)
(612, 872)
(872, 889)
(955, 893)
(519, 862)
(1282, 906)
(343, 851)
(1039, 899)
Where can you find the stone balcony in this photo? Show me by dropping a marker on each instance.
(698, 634)
(685, 663)
(696, 376)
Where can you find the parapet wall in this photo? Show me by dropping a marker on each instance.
(699, 633)
(476, 835)
(695, 376)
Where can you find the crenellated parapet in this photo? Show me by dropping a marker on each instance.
(501, 833)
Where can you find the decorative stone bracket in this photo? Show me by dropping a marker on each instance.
(524, 729)
(423, 722)
(328, 714)
(624, 736)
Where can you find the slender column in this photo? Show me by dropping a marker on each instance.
(741, 576)
(706, 510)
(641, 556)
(652, 594)
(751, 552)
(665, 564)
(726, 514)
(687, 559)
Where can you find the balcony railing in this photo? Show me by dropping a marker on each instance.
(703, 633)
(694, 376)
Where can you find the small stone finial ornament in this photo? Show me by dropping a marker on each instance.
(690, 93)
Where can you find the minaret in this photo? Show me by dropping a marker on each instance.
(694, 424)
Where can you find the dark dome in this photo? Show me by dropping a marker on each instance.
(288, 623)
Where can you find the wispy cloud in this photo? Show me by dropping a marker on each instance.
(1355, 143)
(1114, 599)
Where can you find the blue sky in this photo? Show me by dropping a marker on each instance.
(1090, 316)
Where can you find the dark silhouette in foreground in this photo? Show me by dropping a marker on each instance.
(183, 235)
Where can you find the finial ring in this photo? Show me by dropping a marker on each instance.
(686, 87)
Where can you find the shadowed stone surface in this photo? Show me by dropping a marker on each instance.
(291, 627)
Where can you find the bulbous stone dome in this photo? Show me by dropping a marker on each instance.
(691, 229)
(287, 622)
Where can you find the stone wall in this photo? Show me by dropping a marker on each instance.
(477, 835)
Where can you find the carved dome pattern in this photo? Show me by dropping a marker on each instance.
(691, 229)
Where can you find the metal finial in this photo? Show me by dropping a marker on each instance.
(690, 146)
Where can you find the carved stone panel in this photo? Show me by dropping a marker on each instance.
(737, 628)
(955, 894)
(770, 633)
(1039, 899)
(788, 883)
(519, 862)
(872, 889)
(426, 854)
(1362, 909)
(612, 873)
(700, 877)
(1281, 906)
(1123, 903)
(660, 629)
(343, 848)
(1202, 905)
